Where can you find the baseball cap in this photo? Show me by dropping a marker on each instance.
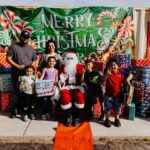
(25, 34)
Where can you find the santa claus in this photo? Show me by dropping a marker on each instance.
(71, 90)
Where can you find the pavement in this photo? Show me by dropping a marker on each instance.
(10, 128)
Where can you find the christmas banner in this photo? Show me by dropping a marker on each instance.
(92, 32)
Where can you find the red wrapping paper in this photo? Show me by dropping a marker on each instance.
(5, 101)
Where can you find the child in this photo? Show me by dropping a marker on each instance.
(27, 89)
(94, 90)
(49, 73)
(113, 91)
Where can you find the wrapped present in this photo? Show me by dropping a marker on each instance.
(138, 91)
(3, 62)
(130, 111)
(141, 73)
(5, 101)
(140, 62)
(123, 59)
(44, 88)
(5, 82)
(99, 66)
(147, 92)
(143, 109)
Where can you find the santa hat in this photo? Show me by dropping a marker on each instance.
(71, 55)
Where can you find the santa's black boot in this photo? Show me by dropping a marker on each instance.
(68, 117)
(77, 117)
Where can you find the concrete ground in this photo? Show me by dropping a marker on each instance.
(140, 128)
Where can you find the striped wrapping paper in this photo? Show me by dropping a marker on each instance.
(5, 82)
(4, 64)
(123, 59)
(140, 62)
(141, 73)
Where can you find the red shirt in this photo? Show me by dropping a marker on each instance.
(114, 83)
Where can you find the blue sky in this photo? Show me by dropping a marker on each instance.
(77, 3)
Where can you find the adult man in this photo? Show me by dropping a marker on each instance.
(71, 89)
(19, 55)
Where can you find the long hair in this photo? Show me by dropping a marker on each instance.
(47, 44)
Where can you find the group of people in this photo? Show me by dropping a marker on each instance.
(77, 87)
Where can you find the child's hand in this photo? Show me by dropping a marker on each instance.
(108, 71)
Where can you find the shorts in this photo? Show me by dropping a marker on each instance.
(109, 103)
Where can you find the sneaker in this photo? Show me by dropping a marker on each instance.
(76, 122)
(32, 117)
(107, 123)
(68, 121)
(12, 116)
(117, 123)
(25, 118)
(44, 117)
(48, 116)
(101, 118)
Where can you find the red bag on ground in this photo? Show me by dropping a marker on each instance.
(97, 108)
(5, 101)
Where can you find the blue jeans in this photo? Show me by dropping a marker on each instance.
(109, 103)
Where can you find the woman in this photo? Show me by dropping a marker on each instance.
(51, 50)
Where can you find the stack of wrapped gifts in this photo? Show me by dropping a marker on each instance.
(141, 81)
(5, 83)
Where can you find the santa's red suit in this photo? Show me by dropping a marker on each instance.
(70, 80)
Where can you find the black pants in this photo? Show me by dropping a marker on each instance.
(46, 105)
(28, 103)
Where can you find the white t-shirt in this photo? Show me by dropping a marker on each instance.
(27, 84)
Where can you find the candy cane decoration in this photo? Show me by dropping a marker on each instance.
(101, 15)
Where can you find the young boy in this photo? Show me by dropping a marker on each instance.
(94, 90)
(27, 89)
(115, 81)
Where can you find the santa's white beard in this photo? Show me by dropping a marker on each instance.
(70, 69)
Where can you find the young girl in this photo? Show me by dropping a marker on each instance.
(27, 89)
(113, 91)
(49, 73)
